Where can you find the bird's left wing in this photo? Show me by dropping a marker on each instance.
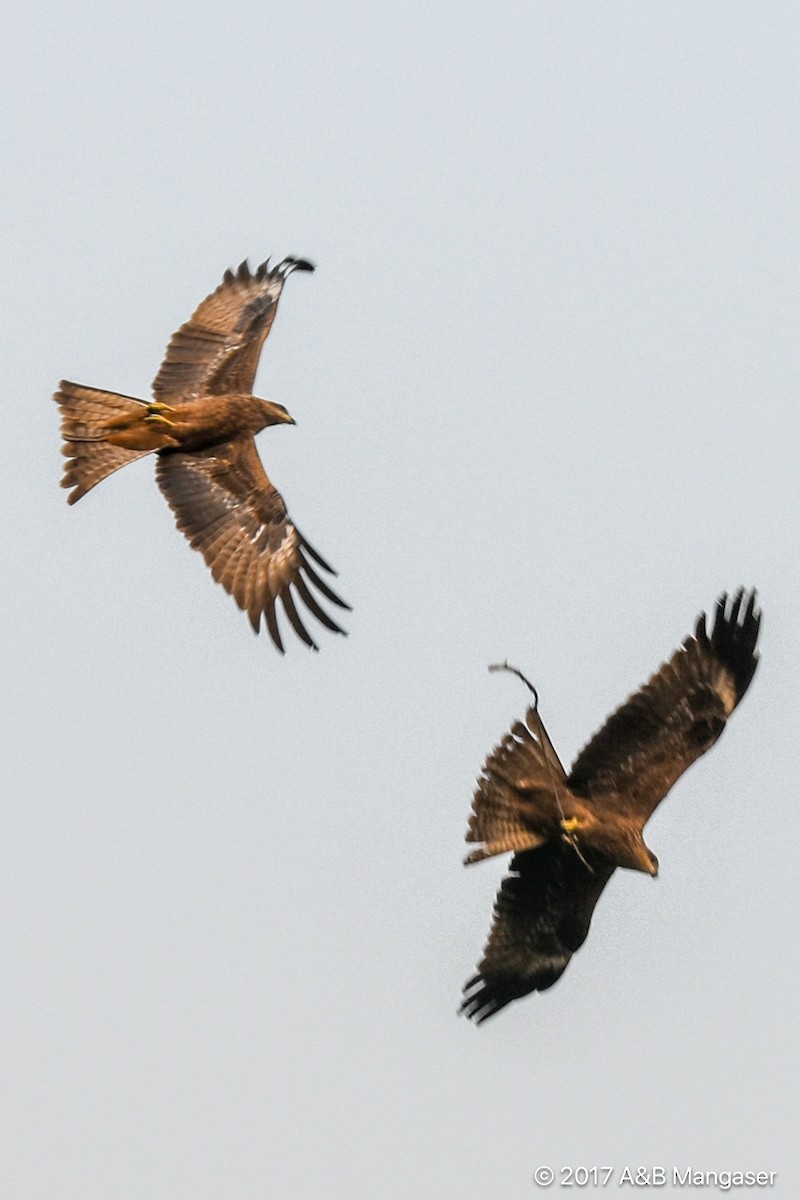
(229, 510)
(541, 917)
(217, 351)
(647, 744)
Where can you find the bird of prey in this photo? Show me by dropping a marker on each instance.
(201, 424)
(570, 832)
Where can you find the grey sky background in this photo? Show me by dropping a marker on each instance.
(545, 384)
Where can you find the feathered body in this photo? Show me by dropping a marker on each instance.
(571, 831)
(202, 424)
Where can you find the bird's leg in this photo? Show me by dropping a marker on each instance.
(155, 413)
(568, 826)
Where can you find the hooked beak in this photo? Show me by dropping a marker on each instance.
(281, 415)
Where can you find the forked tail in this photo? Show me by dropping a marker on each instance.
(88, 418)
(517, 797)
(514, 799)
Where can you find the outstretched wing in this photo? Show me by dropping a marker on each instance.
(228, 509)
(647, 744)
(516, 795)
(541, 917)
(217, 351)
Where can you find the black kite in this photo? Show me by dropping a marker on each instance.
(202, 424)
(570, 832)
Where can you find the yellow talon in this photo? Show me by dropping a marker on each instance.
(157, 407)
(569, 825)
(160, 420)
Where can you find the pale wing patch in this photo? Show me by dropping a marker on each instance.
(726, 690)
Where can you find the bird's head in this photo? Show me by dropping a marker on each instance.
(644, 859)
(653, 868)
(630, 851)
(275, 414)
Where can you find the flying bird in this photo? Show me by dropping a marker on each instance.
(570, 832)
(201, 425)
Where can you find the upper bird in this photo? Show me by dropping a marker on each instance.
(202, 424)
(570, 832)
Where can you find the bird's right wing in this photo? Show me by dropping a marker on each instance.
(229, 510)
(541, 917)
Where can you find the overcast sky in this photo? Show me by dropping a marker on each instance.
(545, 381)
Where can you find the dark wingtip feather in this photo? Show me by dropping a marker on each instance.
(272, 625)
(289, 264)
(315, 554)
(319, 583)
(285, 267)
(322, 586)
(483, 1002)
(290, 608)
(294, 620)
(733, 637)
(308, 598)
(243, 274)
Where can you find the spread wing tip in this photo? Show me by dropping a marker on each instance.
(480, 1000)
(256, 613)
(736, 623)
(319, 583)
(298, 264)
(244, 274)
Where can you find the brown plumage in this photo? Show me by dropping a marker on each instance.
(570, 832)
(202, 425)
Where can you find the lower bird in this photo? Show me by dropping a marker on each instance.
(569, 833)
(202, 424)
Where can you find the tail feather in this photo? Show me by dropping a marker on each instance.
(515, 796)
(87, 415)
(505, 818)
